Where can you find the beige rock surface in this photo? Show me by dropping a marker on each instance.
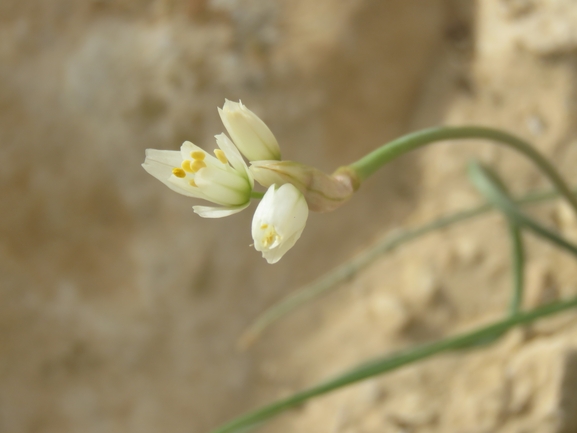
(120, 309)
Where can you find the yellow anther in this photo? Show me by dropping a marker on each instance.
(270, 235)
(269, 238)
(198, 155)
(191, 182)
(221, 156)
(186, 166)
(197, 165)
(178, 172)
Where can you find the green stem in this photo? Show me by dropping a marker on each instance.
(367, 165)
(393, 362)
(483, 179)
(492, 186)
(518, 264)
(256, 194)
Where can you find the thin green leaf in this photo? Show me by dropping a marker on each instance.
(518, 267)
(517, 250)
(484, 181)
(389, 363)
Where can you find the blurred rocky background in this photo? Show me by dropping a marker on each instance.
(120, 309)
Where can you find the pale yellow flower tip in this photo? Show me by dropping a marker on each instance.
(249, 133)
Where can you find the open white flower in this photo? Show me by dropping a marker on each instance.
(278, 221)
(250, 134)
(223, 179)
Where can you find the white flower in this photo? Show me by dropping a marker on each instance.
(250, 134)
(223, 179)
(278, 221)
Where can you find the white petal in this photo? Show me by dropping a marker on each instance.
(168, 157)
(231, 180)
(223, 187)
(187, 148)
(234, 156)
(231, 152)
(275, 254)
(218, 212)
(250, 134)
(159, 163)
(290, 210)
(261, 130)
(265, 209)
(279, 221)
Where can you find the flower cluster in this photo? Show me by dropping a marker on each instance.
(227, 181)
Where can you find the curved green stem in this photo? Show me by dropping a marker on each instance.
(256, 194)
(367, 165)
(385, 364)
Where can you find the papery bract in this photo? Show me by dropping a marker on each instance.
(323, 192)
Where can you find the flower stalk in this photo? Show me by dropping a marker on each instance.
(367, 165)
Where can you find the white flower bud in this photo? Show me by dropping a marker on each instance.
(250, 134)
(278, 221)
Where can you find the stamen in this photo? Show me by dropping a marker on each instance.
(221, 156)
(186, 166)
(197, 165)
(270, 236)
(198, 155)
(178, 172)
(191, 182)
